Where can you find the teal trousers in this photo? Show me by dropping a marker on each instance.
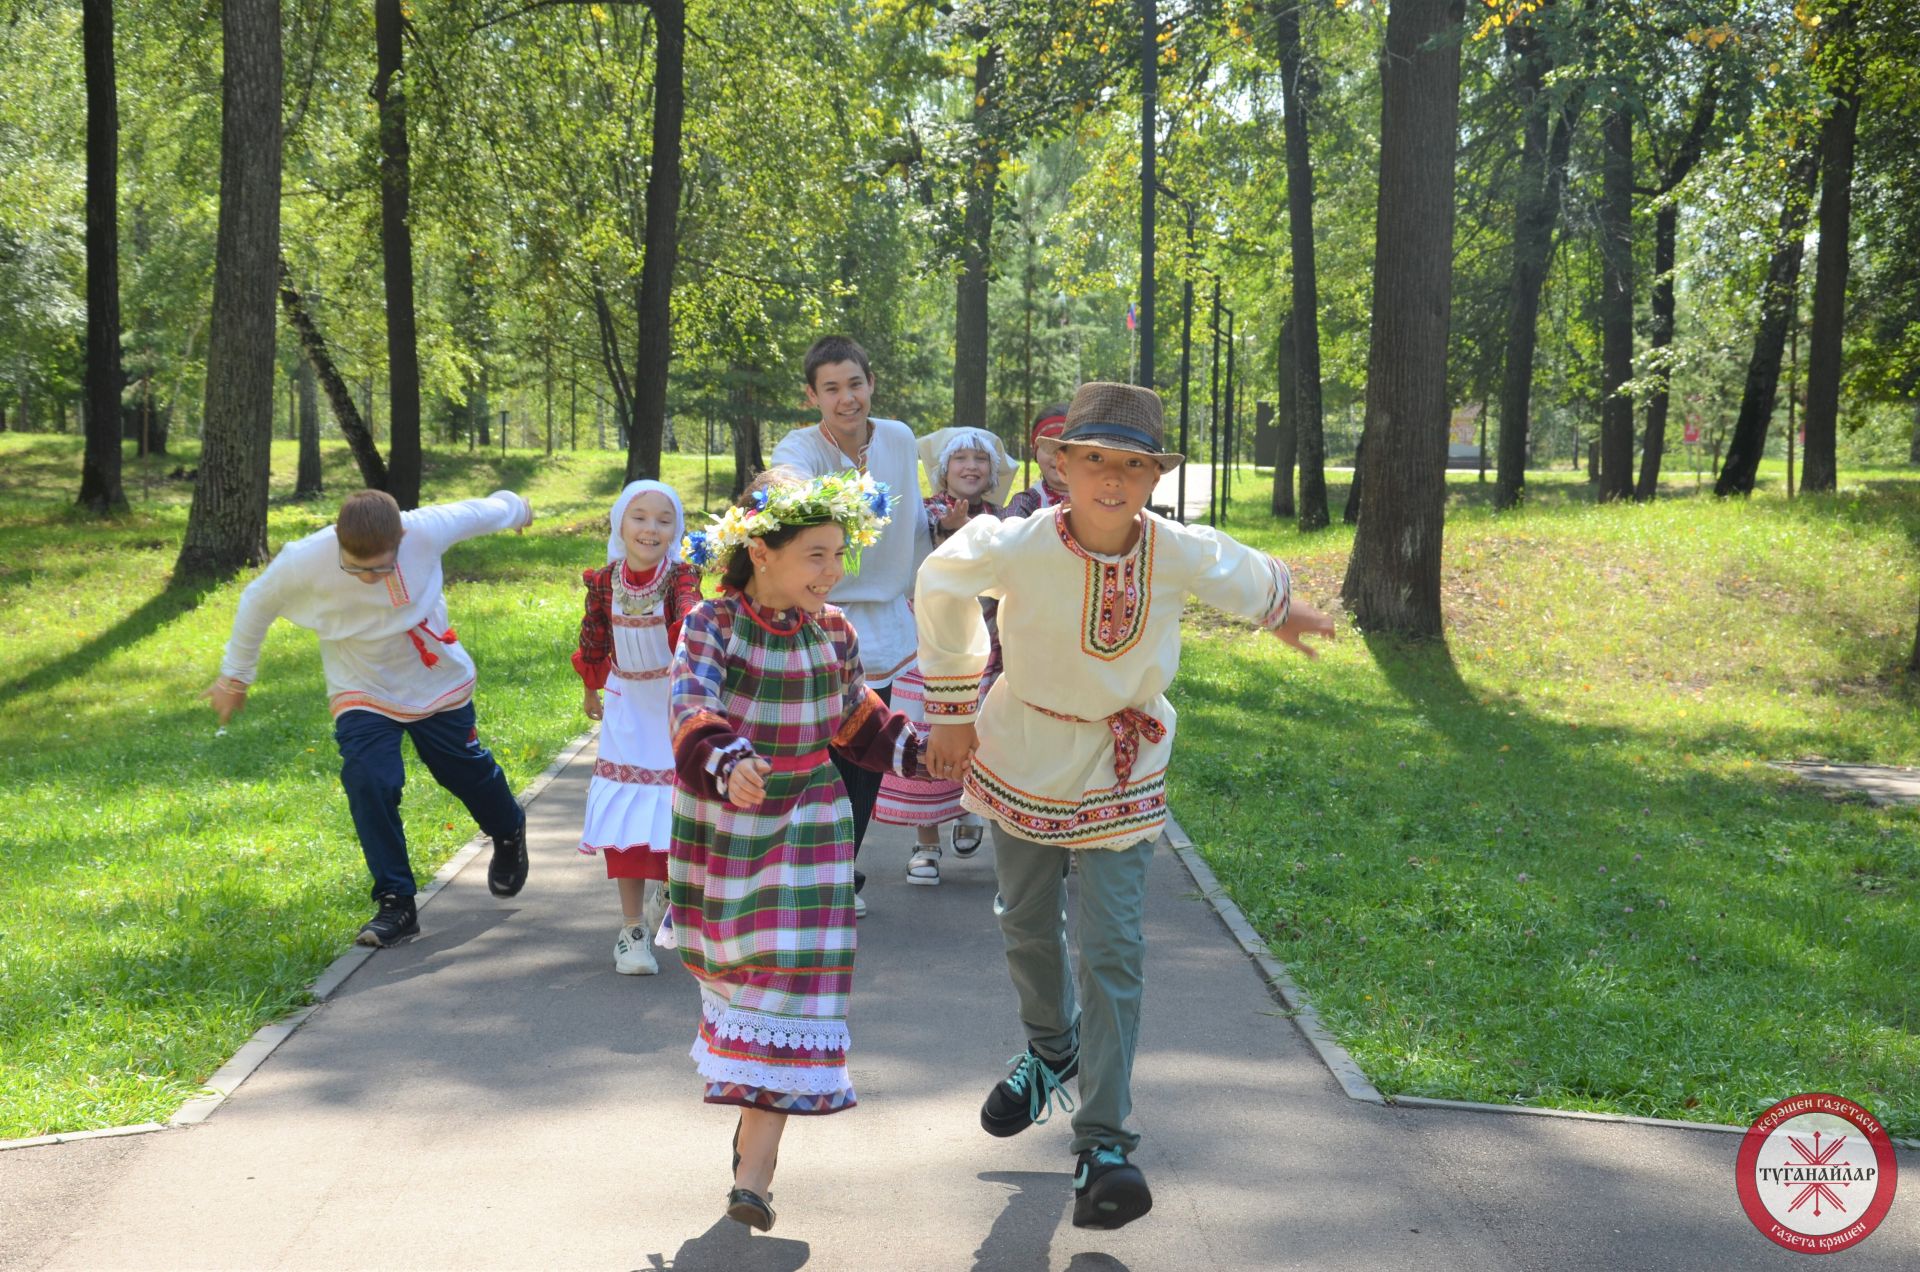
(1102, 1019)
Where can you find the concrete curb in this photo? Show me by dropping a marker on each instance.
(1348, 1074)
(267, 1039)
(1352, 1079)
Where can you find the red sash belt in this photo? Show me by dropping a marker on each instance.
(427, 657)
(1128, 726)
(797, 763)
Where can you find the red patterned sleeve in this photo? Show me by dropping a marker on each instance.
(594, 657)
(683, 593)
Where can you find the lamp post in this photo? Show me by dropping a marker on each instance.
(1149, 94)
(1186, 351)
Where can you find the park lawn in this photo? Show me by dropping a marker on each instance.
(167, 889)
(1546, 863)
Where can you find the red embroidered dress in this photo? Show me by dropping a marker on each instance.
(763, 897)
(627, 637)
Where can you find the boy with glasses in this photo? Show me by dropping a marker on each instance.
(369, 587)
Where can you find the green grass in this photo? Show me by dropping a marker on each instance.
(1546, 862)
(166, 889)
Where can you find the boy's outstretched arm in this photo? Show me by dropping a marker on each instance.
(1304, 620)
(257, 609)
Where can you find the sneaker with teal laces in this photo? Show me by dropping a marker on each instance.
(1108, 1190)
(1025, 1097)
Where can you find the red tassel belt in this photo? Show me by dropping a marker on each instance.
(1128, 726)
(427, 657)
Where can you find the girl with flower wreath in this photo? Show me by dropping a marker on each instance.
(767, 685)
(634, 607)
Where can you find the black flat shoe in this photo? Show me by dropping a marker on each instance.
(747, 1206)
(507, 870)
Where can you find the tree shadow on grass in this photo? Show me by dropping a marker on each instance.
(179, 598)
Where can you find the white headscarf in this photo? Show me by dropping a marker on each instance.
(616, 546)
(938, 447)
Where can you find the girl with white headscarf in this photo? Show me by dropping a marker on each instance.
(632, 622)
(970, 474)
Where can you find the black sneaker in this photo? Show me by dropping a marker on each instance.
(1108, 1190)
(507, 872)
(1025, 1097)
(396, 921)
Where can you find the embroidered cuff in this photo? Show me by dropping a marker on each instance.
(723, 759)
(952, 699)
(1277, 616)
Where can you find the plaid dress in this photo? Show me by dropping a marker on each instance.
(763, 898)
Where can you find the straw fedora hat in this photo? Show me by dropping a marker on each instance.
(1116, 417)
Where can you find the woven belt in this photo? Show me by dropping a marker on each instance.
(657, 673)
(1127, 725)
(797, 763)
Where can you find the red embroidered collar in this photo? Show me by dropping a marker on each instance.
(768, 620)
(651, 576)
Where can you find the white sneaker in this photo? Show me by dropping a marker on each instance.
(631, 957)
(859, 906)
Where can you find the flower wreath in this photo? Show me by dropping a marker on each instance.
(853, 500)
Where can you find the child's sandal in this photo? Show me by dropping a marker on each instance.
(924, 867)
(966, 838)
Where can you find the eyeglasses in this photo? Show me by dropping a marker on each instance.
(378, 571)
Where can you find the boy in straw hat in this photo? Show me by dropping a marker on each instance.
(1069, 750)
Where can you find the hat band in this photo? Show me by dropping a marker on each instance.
(1088, 429)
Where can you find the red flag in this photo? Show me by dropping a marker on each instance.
(1132, 323)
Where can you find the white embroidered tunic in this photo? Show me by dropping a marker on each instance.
(875, 599)
(1076, 733)
(386, 646)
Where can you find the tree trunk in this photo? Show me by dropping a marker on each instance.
(976, 252)
(1821, 471)
(100, 488)
(1297, 84)
(1393, 577)
(307, 481)
(1616, 306)
(1778, 297)
(1666, 231)
(227, 527)
(653, 344)
(1653, 445)
(481, 408)
(1913, 443)
(744, 420)
(396, 247)
(1547, 137)
(1286, 424)
(1350, 514)
(346, 413)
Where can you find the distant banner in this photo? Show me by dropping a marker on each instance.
(1466, 420)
